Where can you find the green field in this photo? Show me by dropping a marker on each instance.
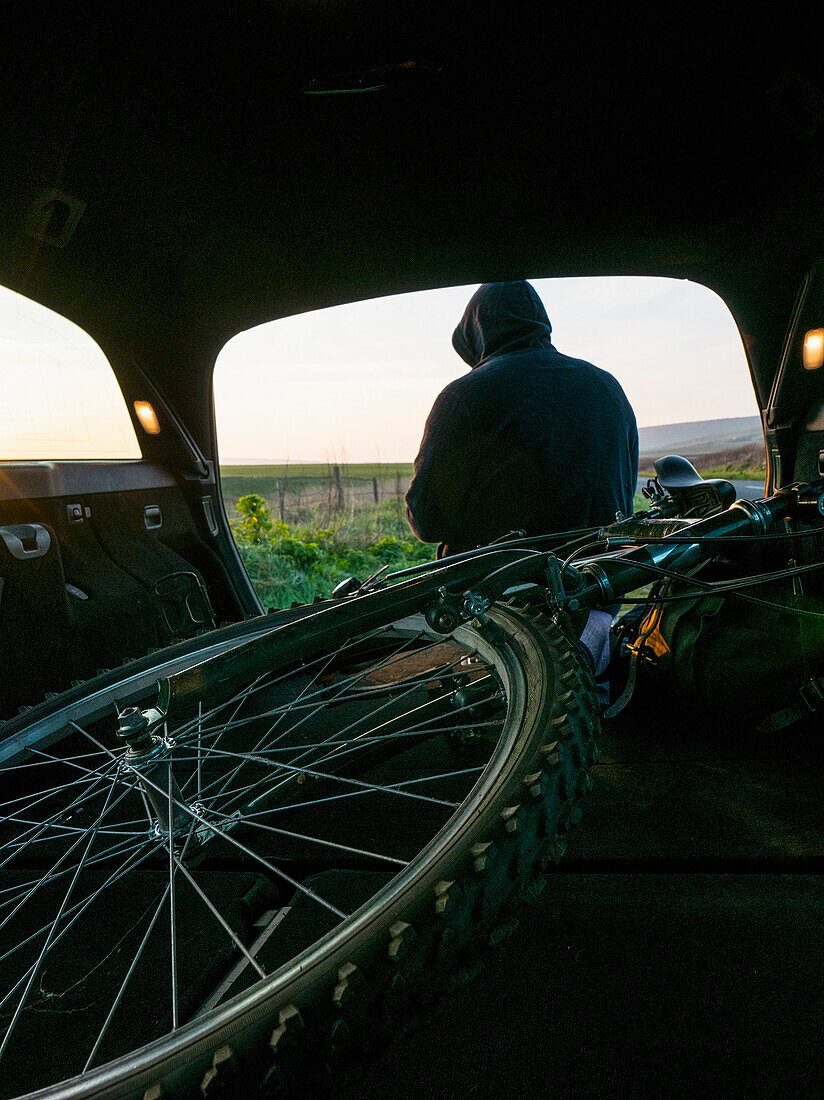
(357, 471)
(747, 463)
(307, 492)
(301, 528)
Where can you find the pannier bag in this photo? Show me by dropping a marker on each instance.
(729, 657)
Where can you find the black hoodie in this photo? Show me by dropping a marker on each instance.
(528, 439)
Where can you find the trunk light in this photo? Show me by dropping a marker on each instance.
(147, 417)
(814, 349)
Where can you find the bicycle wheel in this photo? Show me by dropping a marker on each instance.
(287, 874)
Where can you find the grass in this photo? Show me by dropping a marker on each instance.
(734, 472)
(356, 471)
(297, 563)
(311, 479)
(321, 544)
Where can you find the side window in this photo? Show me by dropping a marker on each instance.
(320, 415)
(61, 399)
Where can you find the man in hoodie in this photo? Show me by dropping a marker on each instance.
(529, 439)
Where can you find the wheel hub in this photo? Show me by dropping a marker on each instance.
(150, 758)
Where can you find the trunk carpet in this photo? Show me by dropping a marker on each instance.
(677, 949)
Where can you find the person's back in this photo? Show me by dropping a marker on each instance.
(529, 439)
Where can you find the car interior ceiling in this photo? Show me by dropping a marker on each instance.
(168, 186)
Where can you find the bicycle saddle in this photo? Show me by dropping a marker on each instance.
(677, 476)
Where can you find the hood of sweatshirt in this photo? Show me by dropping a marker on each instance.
(501, 318)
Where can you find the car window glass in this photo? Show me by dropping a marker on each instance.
(61, 399)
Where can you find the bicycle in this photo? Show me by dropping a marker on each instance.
(238, 862)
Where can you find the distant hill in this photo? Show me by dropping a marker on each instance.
(697, 437)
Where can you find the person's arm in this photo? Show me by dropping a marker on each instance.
(434, 499)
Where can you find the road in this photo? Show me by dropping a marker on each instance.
(749, 490)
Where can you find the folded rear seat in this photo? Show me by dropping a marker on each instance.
(38, 649)
(175, 587)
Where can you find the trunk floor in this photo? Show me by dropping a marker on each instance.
(678, 947)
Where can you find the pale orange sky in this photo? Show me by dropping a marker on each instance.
(356, 382)
(60, 399)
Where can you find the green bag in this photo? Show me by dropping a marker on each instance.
(738, 659)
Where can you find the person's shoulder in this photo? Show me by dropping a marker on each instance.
(451, 401)
(561, 359)
(598, 374)
(456, 389)
(606, 384)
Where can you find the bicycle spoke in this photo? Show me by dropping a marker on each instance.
(319, 840)
(187, 727)
(67, 760)
(290, 708)
(199, 751)
(237, 795)
(51, 933)
(417, 683)
(390, 702)
(238, 943)
(420, 726)
(286, 708)
(293, 768)
(357, 794)
(45, 795)
(172, 903)
(116, 849)
(26, 765)
(307, 890)
(50, 876)
(367, 739)
(132, 967)
(243, 698)
(59, 828)
(362, 739)
(18, 843)
(76, 911)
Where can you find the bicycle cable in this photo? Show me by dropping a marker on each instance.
(725, 589)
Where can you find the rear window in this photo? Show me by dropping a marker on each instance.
(61, 399)
(320, 415)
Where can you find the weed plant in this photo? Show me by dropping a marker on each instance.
(296, 563)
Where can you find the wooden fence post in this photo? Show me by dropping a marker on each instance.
(375, 490)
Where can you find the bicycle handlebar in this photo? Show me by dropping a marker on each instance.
(610, 577)
(604, 578)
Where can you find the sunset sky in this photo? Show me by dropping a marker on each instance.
(356, 382)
